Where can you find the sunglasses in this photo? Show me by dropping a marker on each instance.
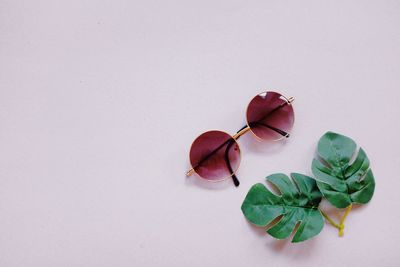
(215, 155)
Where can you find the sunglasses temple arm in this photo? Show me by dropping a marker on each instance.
(192, 170)
(279, 131)
(246, 128)
(287, 102)
(239, 133)
(228, 164)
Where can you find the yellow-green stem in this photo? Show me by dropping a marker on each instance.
(341, 225)
(329, 219)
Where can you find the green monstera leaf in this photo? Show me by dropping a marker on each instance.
(343, 174)
(297, 204)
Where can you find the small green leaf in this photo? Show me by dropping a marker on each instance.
(298, 203)
(340, 180)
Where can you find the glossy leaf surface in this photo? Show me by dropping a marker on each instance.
(342, 172)
(297, 204)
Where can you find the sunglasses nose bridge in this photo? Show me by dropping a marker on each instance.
(241, 132)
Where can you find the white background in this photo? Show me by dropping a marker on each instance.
(100, 101)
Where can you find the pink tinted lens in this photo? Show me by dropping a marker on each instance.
(215, 155)
(270, 116)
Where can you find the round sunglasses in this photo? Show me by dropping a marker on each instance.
(215, 155)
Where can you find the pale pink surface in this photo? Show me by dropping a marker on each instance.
(100, 101)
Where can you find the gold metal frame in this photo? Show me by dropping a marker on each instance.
(192, 170)
(288, 100)
(236, 136)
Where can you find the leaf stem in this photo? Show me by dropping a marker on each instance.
(329, 219)
(341, 225)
